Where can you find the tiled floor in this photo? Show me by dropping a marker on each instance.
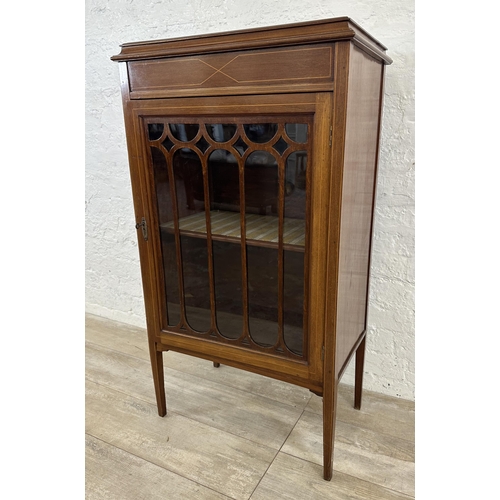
(229, 434)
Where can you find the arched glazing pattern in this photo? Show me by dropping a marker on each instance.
(232, 211)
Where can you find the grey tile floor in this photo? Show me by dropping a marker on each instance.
(229, 434)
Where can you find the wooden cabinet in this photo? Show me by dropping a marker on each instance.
(253, 158)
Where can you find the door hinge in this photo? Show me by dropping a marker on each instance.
(322, 353)
(331, 134)
(144, 228)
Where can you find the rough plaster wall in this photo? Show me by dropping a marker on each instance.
(113, 282)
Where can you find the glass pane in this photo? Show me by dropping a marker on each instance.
(261, 184)
(241, 146)
(196, 283)
(260, 132)
(295, 185)
(262, 266)
(297, 132)
(191, 208)
(261, 220)
(155, 130)
(228, 288)
(202, 144)
(165, 218)
(294, 234)
(268, 275)
(224, 181)
(221, 132)
(280, 146)
(293, 300)
(223, 175)
(184, 131)
(167, 143)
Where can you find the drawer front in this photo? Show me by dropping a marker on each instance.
(285, 69)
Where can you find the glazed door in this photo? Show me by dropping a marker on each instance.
(231, 193)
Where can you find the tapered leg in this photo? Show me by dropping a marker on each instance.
(329, 418)
(158, 378)
(216, 365)
(358, 381)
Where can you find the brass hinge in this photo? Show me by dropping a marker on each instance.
(322, 353)
(331, 134)
(144, 228)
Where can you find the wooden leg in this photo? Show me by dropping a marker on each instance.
(329, 418)
(158, 378)
(358, 381)
(216, 365)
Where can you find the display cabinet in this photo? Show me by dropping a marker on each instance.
(253, 158)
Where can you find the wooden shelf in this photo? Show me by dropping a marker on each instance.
(261, 230)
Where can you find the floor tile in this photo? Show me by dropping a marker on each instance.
(114, 474)
(362, 453)
(290, 478)
(213, 458)
(245, 414)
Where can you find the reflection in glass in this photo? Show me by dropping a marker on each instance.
(223, 175)
(165, 217)
(221, 132)
(261, 183)
(295, 181)
(297, 132)
(184, 132)
(261, 221)
(155, 130)
(190, 202)
(262, 269)
(280, 146)
(167, 143)
(260, 132)
(293, 263)
(202, 144)
(196, 283)
(224, 181)
(228, 289)
(293, 300)
(241, 146)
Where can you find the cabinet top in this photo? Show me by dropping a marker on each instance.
(325, 30)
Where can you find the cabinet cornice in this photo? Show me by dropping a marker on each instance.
(326, 30)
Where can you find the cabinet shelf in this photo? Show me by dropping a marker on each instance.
(261, 230)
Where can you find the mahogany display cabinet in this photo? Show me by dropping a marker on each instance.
(253, 158)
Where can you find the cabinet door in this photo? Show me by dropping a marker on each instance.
(236, 190)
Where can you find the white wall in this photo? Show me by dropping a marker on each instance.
(113, 283)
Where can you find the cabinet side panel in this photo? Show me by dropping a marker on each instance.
(358, 186)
